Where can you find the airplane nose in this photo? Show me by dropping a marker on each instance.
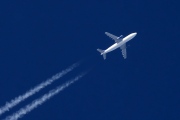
(135, 33)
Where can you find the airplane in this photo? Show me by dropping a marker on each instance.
(120, 42)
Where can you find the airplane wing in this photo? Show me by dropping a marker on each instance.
(123, 49)
(115, 38)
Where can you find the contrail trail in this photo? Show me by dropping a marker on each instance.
(36, 89)
(28, 108)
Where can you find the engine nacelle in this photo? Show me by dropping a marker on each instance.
(120, 37)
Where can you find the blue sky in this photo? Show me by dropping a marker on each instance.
(40, 38)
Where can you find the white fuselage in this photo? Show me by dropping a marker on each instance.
(117, 45)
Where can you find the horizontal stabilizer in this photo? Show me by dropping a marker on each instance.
(101, 51)
(104, 56)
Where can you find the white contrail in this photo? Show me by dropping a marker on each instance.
(28, 108)
(34, 90)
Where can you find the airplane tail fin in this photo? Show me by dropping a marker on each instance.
(102, 53)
